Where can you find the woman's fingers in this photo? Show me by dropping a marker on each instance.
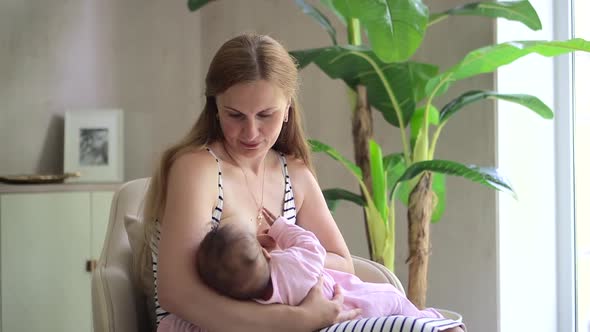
(326, 311)
(338, 297)
(331, 311)
(343, 315)
(348, 315)
(320, 282)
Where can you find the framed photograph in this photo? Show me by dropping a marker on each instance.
(93, 145)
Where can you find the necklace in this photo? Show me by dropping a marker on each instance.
(259, 207)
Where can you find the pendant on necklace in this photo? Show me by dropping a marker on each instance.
(259, 218)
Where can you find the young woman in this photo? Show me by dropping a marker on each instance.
(245, 152)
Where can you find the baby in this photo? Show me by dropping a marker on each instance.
(232, 261)
(281, 265)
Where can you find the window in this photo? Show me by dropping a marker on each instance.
(581, 85)
(548, 229)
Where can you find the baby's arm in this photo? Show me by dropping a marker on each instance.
(296, 240)
(297, 267)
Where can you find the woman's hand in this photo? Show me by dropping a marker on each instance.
(339, 299)
(327, 311)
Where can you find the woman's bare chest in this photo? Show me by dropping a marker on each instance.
(244, 199)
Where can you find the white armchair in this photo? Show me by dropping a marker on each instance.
(117, 304)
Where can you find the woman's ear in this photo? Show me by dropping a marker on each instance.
(286, 119)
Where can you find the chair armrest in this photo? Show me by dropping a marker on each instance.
(370, 271)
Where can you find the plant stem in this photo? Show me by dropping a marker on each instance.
(435, 140)
(391, 226)
(354, 32)
(438, 19)
(420, 152)
(425, 124)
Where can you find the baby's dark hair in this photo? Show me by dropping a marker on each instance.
(226, 260)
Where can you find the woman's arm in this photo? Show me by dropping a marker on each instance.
(314, 215)
(191, 194)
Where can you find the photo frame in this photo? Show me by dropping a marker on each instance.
(93, 145)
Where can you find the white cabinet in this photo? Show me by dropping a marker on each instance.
(46, 242)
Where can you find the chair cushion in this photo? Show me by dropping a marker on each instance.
(134, 229)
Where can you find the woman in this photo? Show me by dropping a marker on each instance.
(245, 152)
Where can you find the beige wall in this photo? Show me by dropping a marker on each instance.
(58, 55)
(149, 59)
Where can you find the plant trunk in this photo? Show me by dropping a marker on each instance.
(420, 207)
(362, 132)
(362, 126)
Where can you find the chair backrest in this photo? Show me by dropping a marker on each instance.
(117, 304)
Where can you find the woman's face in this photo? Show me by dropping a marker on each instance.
(251, 116)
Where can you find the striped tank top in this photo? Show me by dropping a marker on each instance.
(289, 213)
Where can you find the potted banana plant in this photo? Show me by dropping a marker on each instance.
(406, 93)
(382, 76)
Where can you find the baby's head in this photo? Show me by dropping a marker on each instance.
(231, 261)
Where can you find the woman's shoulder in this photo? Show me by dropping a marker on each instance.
(298, 170)
(194, 161)
(294, 163)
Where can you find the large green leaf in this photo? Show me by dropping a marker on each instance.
(330, 5)
(337, 61)
(489, 177)
(194, 5)
(394, 166)
(488, 59)
(407, 79)
(317, 146)
(417, 122)
(343, 8)
(319, 17)
(531, 102)
(333, 197)
(379, 179)
(379, 232)
(521, 11)
(381, 237)
(395, 28)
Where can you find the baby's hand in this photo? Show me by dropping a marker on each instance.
(266, 241)
(268, 216)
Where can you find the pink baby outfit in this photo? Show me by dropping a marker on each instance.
(296, 268)
(173, 323)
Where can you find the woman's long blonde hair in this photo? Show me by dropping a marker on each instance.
(245, 58)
